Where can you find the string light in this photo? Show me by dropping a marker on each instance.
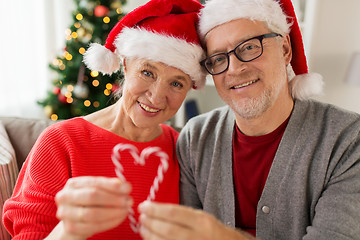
(109, 86)
(87, 103)
(69, 100)
(70, 88)
(77, 25)
(74, 35)
(68, 34)
(95, 83)
(119, 11)
(79, 16)
(54, 117)
(68, 57)
(106, 19)
(68, 94)
(55, 62)
(96, 104)
(107, 92)
(94, 73)
(81, 50)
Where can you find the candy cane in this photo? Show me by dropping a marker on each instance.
(140, 159)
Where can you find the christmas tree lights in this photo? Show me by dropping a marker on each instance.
(77, 91)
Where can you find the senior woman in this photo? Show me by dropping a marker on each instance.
(67, 188)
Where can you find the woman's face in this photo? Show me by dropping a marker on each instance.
(152, 91)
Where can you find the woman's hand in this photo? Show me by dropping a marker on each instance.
(90, 205)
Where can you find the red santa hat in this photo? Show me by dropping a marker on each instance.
(279, 15)
(162, 31)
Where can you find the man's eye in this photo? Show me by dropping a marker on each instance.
(250, 47)
(218, 59)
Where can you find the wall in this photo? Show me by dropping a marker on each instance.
(32, 33)
(336, 36)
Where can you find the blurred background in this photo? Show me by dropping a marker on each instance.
(38, 37)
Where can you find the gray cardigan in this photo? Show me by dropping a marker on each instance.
(313, 188)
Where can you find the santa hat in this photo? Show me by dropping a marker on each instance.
(162, 31)
(279, 15)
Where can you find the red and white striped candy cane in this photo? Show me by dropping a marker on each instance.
(140, 159)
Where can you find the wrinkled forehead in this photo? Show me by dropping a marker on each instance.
(243, 28)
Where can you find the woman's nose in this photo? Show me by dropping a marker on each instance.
(157, 92)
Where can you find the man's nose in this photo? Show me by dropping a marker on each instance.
(235, 65)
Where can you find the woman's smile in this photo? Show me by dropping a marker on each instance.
(148, 108)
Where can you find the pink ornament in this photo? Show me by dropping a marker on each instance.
(56, 90)
(115, 87)
(62, 98)
(101, 11)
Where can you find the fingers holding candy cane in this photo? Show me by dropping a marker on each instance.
(90, 205)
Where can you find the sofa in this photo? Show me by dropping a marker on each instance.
(22, 133)
(17, 136)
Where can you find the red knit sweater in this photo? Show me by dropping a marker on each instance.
(75, 148)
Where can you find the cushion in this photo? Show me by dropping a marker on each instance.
(8, 174)
(23, 133)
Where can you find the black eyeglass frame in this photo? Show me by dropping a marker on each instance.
(260, 38)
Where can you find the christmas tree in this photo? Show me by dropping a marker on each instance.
(77, 91)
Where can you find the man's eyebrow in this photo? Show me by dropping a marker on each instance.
(216, 50)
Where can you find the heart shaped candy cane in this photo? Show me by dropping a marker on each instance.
(140, 159)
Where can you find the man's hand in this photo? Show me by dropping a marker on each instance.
(172, 222)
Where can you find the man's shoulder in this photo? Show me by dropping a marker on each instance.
(215, 122)
(325, 111)
(314, 117)
(215, 113)
(214, 116)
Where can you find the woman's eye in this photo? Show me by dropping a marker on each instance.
(177, 84)
(147, 73)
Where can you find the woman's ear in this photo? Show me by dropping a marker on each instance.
(124, 64)
(287, 50)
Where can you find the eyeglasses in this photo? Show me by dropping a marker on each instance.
(245, 51)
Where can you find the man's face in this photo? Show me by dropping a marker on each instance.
(255, 87)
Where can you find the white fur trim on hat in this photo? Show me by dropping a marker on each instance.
(175, 52)
(305, 86)
(99, 58)
(217, 12)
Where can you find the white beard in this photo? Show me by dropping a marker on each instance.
(252, 108)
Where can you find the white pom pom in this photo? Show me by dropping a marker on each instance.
(306, 85)
(99, 58)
